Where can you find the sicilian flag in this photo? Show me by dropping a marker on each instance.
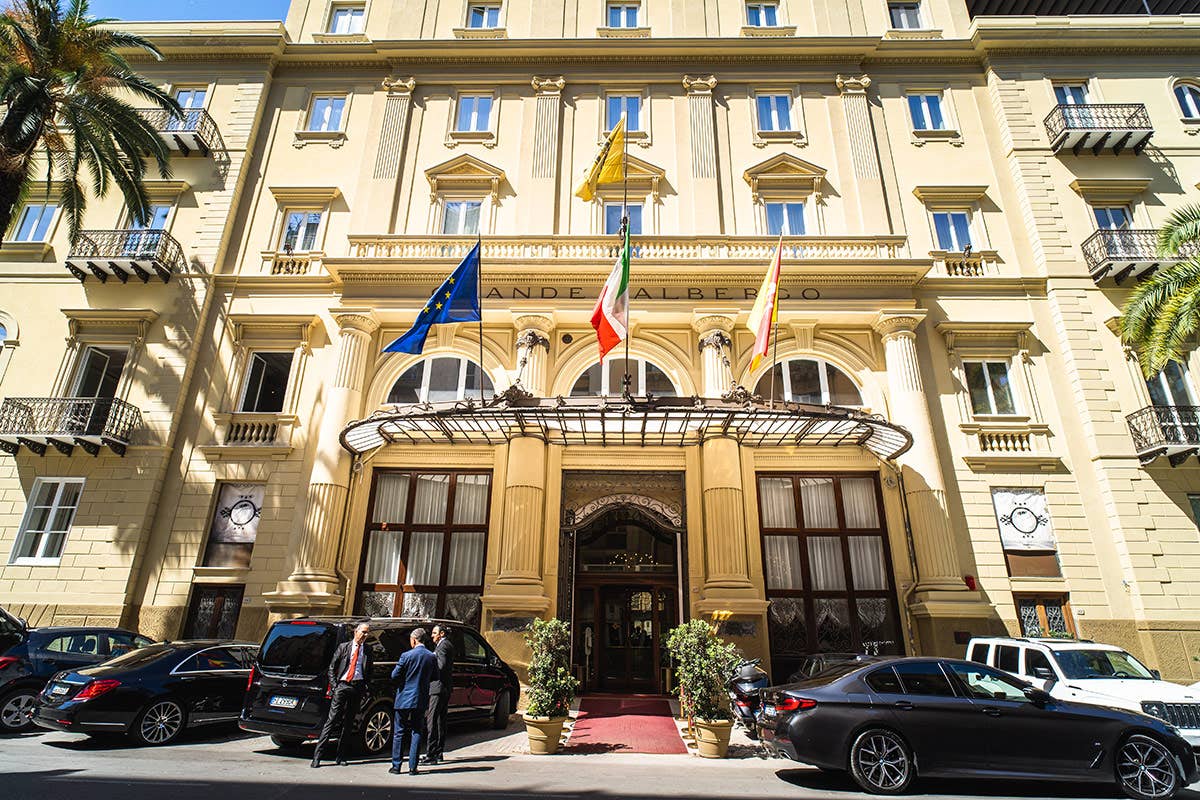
(766, 308)
(610, 317)
(608, 166)
(456, 300)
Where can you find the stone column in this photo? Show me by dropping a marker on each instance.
(541, 203)
(925, 491)
(314, 582)
(706, 195)
(864, 150)
(714, 342)
(381, 175)
(533, 348)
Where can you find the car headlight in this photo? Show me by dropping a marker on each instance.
(1155, 709)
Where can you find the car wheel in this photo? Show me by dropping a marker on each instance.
(16, 710)
(377, 730)
(1146, 769)
(502, 711)
(286, 742)
(160, 723)
(880, 762)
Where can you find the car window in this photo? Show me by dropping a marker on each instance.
(924, 678)
(1007, 658)
(473, 651)
(135, 659)
(394, 643)
(298, 648)
(86, 644)
(120, 643)
(984, 683)
(1035, 660)
(884, 681)
(978, 652)
(1081, 664)
(215, 659)
(245, 655)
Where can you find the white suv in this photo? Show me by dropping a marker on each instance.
(1096, 674)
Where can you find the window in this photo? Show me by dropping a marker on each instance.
(325, 113)
(1026, 532)
(213, 612)
(215, 659)
(1194, 502)
(884, 681)
(628, 104)
(300, 232)
(145, 241)
(483, 15)
(76, 643)
(1037, 665)
(785, 218)
(953, 230)
(804, 380)
(1070, 94)
(423, 552)
(991, 392)
(983, 683)
(461, 217)
(345, 20)
(1188, 97)
(266, 382)
(99, 372)
(472, 650)
(905, 16)
(607, 379)
(774, 112)
(978, 653)
(121, 643)
(439, 380)
(156, 218)
(623, 15)
(1089, 664)
(1171, 387)
(926, 111)
(1044, 615)
(474, 113)
(234, 525)
(612, 218)
(924, 678)
(33, 223)
(191, 99)
(1111, 218)
(1007, 657)
(43, 532)
(762, 15)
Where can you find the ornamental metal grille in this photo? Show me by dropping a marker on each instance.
(66, 421)
(120, 253)
(194, 127)
(1156, 428)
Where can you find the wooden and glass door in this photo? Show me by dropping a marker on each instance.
(633, 624)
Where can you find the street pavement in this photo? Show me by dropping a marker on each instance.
(226, 764)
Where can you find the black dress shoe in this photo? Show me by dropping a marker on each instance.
(316, 762)
(341, 762)
(413, 772)
(395, 770)
(429, 760)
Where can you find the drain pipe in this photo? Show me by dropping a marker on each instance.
(910, 547)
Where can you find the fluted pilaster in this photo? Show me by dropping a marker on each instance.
(864, 153)
(395, 122)
(545, 128)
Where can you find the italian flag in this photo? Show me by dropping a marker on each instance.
(766, 308)
(610, 317)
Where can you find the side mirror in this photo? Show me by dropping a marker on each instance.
(1157, 675)
(1039, 697)
(1045, 673)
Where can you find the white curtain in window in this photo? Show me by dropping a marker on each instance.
(778, 504)
(816, 498)
(471, 500)
(424, 558)
(383, 557)
(391, 498)
(866, 562)
(825, 563)
(466, 559)
(433, 493)
(783, 562)
(858, 500)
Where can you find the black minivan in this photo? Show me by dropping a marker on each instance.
(288, 692)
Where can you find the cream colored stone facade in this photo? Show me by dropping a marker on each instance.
(869, 289)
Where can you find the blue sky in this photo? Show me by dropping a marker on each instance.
(189, 9)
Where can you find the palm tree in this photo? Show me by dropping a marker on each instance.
(61, 75)
(1163, 312)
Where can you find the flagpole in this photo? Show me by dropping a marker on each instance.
(626, 381)
(775, 316)
(479, 294)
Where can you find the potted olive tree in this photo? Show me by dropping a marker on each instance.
(702, 664)
(551, 684)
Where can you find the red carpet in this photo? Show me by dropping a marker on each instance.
(625, 725)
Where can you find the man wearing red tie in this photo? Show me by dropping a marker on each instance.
(348, 673)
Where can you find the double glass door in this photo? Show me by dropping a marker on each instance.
(629, 645)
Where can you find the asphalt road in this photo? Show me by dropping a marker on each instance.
(229, 765)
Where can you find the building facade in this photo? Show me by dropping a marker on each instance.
(204, 433)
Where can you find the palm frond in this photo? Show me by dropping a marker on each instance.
(1181, 229)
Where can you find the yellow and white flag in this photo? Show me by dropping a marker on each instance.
(766, 308)
(609, 166)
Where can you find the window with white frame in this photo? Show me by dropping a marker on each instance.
(774, 111)
(33, 223)
(300, 230)
(325, 113)
(785, 217)
(1171, 387)
(623, 14)
(762, 15)
(990, 388)
(607, 378)
(266, 382)
(925, 108)
(440, 379)
(612, 218)
(905, 16)
(952, 229)
(1071, 94)
(461, 217)
(806, 380)
(1188, 97)
(347, 19)
(43, 532)
(1111, 218)
(483, 15)
(474, 113)
(627, 103)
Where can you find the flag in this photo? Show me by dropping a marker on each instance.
(766, 308)
(610, 317)
(609, 166)
(456, 300)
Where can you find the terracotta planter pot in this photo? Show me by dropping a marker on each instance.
(546, 732)
(712, 737)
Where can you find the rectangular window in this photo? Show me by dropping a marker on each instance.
(762, 15)
(144, 244)
(300, 232)
(785, 218)
(1026, 532)
(99, 373)
(346, 20)
(325, 113)
(48, 518)
(612, 219)
(988, 383)
(926, 111)
(1171, 387)
(266, 382)
(234, 525)
(155, 219)
(483, 15)
(953, 230)
(628, 104)
(474, 112)
(33, 223)
(1111, 218)
(461, 218)
(775, 112)
(905, 16)
(1071, 94)
(623, 15)
(1044, 615)
(213, 612)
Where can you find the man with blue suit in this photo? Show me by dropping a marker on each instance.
(411, 676)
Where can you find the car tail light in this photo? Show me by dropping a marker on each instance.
(96, 688)
(794, 704)
(250, 680)
(7, 661)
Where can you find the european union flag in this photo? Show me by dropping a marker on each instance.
(456, 300)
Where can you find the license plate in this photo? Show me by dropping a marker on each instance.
(58, 690)
(283, 702)
(768, 711)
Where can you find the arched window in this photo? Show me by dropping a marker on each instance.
(606, 378)
(440, 379)
(804, 380)
(3, 334)
(1188, 96)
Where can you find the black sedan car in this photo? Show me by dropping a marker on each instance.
(151, 694)
(888, 722)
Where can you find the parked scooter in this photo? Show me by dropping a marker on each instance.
(744, 685)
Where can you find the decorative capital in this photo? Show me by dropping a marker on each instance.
(706, 323)
(848, 84)
(530, 339)
(717, 340)
(356, 320)
(699, 85)
(399, 85)
(892, 324)
(537, 323)
(548, 85)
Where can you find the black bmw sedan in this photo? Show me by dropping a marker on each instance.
(888, 722)
(151, 694)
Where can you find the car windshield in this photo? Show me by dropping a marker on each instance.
(298, 648)
(1083, 664)
(136, 659)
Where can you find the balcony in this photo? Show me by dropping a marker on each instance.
(195, 131)
(123, 254)
(265, 435)
(1001, 444)
(1171, 431)
(974, 264)
(64, 422)
(1095, 127)
(1124, 254)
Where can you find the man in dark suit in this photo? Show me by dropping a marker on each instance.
(348, 674)
(439, 696)
(412, 675)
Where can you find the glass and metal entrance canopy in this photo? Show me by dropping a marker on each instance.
(637, 421)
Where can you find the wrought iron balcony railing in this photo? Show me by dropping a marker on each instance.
(1094, 126)
(64, 422)
(124, 253)
(1171, 431)
(1123, 254)
(195, 130)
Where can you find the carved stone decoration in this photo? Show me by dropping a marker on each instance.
(699, 85)
(717, 340)
(530, 339)
(668, 512)
(548, 85)
(890, 325)
(848, 84)
(399, 85)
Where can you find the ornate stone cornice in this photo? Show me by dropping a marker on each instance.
(890, 324)
(699, 85)
(548, 85)
(706, 323)
(361, 320)
(399, 85)
(847, 84)
(538, 323)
